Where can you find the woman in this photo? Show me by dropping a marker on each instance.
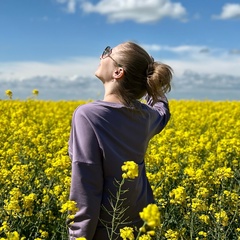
(107, 133)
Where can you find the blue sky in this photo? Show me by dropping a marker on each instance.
(54, 45)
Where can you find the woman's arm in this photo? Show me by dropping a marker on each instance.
(162, 108)
(87, 176)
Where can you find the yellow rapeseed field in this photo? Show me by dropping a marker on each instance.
(193, 167)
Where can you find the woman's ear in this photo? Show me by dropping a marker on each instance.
(118, 73)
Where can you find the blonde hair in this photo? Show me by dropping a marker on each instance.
(142, 74)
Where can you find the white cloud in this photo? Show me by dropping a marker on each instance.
(199, 59)
(183, 49)
(234, 51)
(195, 74)
(186, 49)
(71, 5)
(229, 11)
(140, 11)
(207, 65)
(152, 47)
(191, 85)
(69, 67)
(54, 88)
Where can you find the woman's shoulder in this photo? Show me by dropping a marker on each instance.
(86, 108)
(96, 107)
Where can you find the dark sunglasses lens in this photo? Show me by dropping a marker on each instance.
(106, 52)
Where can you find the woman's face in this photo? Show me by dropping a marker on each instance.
(107, 66)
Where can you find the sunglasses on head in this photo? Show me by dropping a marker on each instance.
(107, 52)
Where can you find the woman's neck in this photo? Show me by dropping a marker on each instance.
(111, 97)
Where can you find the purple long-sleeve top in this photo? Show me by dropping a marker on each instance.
(103, 136)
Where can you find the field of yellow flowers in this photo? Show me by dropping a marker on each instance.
(193, 167)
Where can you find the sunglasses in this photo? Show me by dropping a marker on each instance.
(107, 52)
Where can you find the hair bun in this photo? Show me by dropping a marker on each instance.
(150, 68)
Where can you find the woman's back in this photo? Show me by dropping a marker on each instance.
(120, 134)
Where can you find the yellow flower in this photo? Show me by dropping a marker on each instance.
(171, 235)
(202, 233)
(222, 173)
(44, 234)
(127, 233)
(145, 237)
(35, 92)
(12, 206)
(70, 206)
(28, 203)
(130, 169)
(193, 164)
(178, 195)
(9, 93)
(57, 190)
(222, 218)
(204, 218)
(4, 227)
(203, 192)
(13, 235)
(151, 215)
(198, 205)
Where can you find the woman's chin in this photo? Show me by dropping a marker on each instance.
(96, 74)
